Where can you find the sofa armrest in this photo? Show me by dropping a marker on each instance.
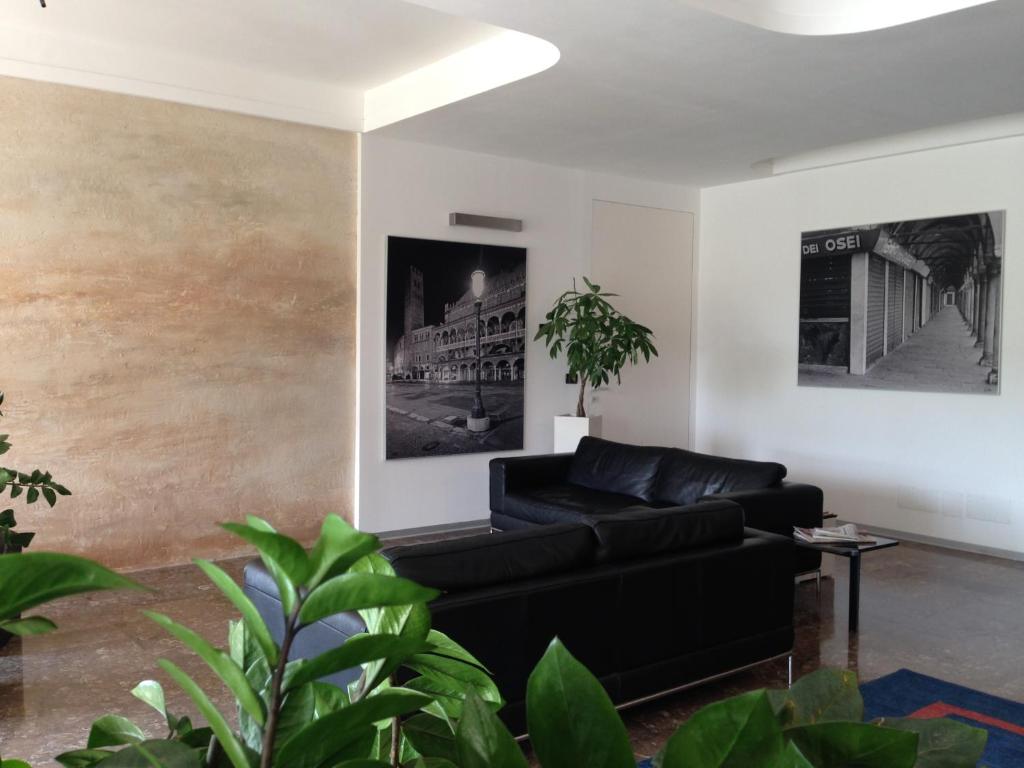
(779, 508)
(519, 473)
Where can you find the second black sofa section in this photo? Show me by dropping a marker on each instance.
(604, 479)
(649, 601)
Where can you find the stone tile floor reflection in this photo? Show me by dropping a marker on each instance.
(952, 615)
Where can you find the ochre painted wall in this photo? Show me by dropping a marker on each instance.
(177, 320)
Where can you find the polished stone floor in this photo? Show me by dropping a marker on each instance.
(952, 615)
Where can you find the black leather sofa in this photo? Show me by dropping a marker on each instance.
(650, 600)
(603, 479)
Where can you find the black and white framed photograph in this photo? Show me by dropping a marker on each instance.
(909, 305)
(456, 348)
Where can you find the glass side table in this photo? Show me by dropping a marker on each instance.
(853, 554)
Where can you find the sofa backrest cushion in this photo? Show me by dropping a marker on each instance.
(685, 476)
(643, 531)
(471, 562)
(602, 465)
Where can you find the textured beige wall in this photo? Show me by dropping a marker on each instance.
(177, 320)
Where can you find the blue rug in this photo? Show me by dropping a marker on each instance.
(909, 694)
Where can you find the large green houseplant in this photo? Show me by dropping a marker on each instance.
(444, 714)
(35, 485)
(597, 339)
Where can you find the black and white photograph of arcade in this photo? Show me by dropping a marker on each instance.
(456, 347)
(909, 305)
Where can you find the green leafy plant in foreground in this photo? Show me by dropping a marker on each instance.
(35, 485)
(284, 715)
(598, 340)
(444, 714)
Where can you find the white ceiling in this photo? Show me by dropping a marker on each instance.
(658, 89)
(311, 61)
(355, 44)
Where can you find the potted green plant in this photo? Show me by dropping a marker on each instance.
(598, 342)
(34, 485)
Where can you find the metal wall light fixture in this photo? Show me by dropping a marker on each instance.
(484, 222)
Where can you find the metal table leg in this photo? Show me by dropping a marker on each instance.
(854, 590)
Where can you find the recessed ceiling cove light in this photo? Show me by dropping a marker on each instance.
(831, 17)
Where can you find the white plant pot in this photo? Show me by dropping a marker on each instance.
(569, 430)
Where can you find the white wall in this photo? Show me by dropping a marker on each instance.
(877, 454)
(409, 189)
(650, 251)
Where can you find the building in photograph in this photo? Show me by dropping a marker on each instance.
(866, 292)
(446, 352)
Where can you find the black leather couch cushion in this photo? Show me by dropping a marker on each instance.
(566, 503)
(472, 562)
(643, 532)
(602, 465)
(685, 476)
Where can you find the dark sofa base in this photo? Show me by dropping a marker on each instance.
(643, 626)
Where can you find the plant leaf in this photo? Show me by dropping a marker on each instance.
(822, 696)
(79, 758)
(33, 625)
(250, 614)
(29, 579)
(431, 736)
(483, 741)
(230, 673)
(355, 591)
(339, 546)
(151, 692)
(409, 621)
(297, 712)
(329, 698)
(858, 745)
(456, 673)
(331, 737)
(287, 553)
(112, 731)
(225, 736)
(572, 721)
(732, 733)
(942, 742)
(355, 651)
(155, 754)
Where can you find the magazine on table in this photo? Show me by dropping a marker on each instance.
(840, 536)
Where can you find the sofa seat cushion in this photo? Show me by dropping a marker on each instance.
(644, 532)
(602, 465)
(487, 559)
(686, 476)
(566, 503)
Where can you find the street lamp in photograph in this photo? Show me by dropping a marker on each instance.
(478, 420)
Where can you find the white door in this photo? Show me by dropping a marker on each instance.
(646, 256)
